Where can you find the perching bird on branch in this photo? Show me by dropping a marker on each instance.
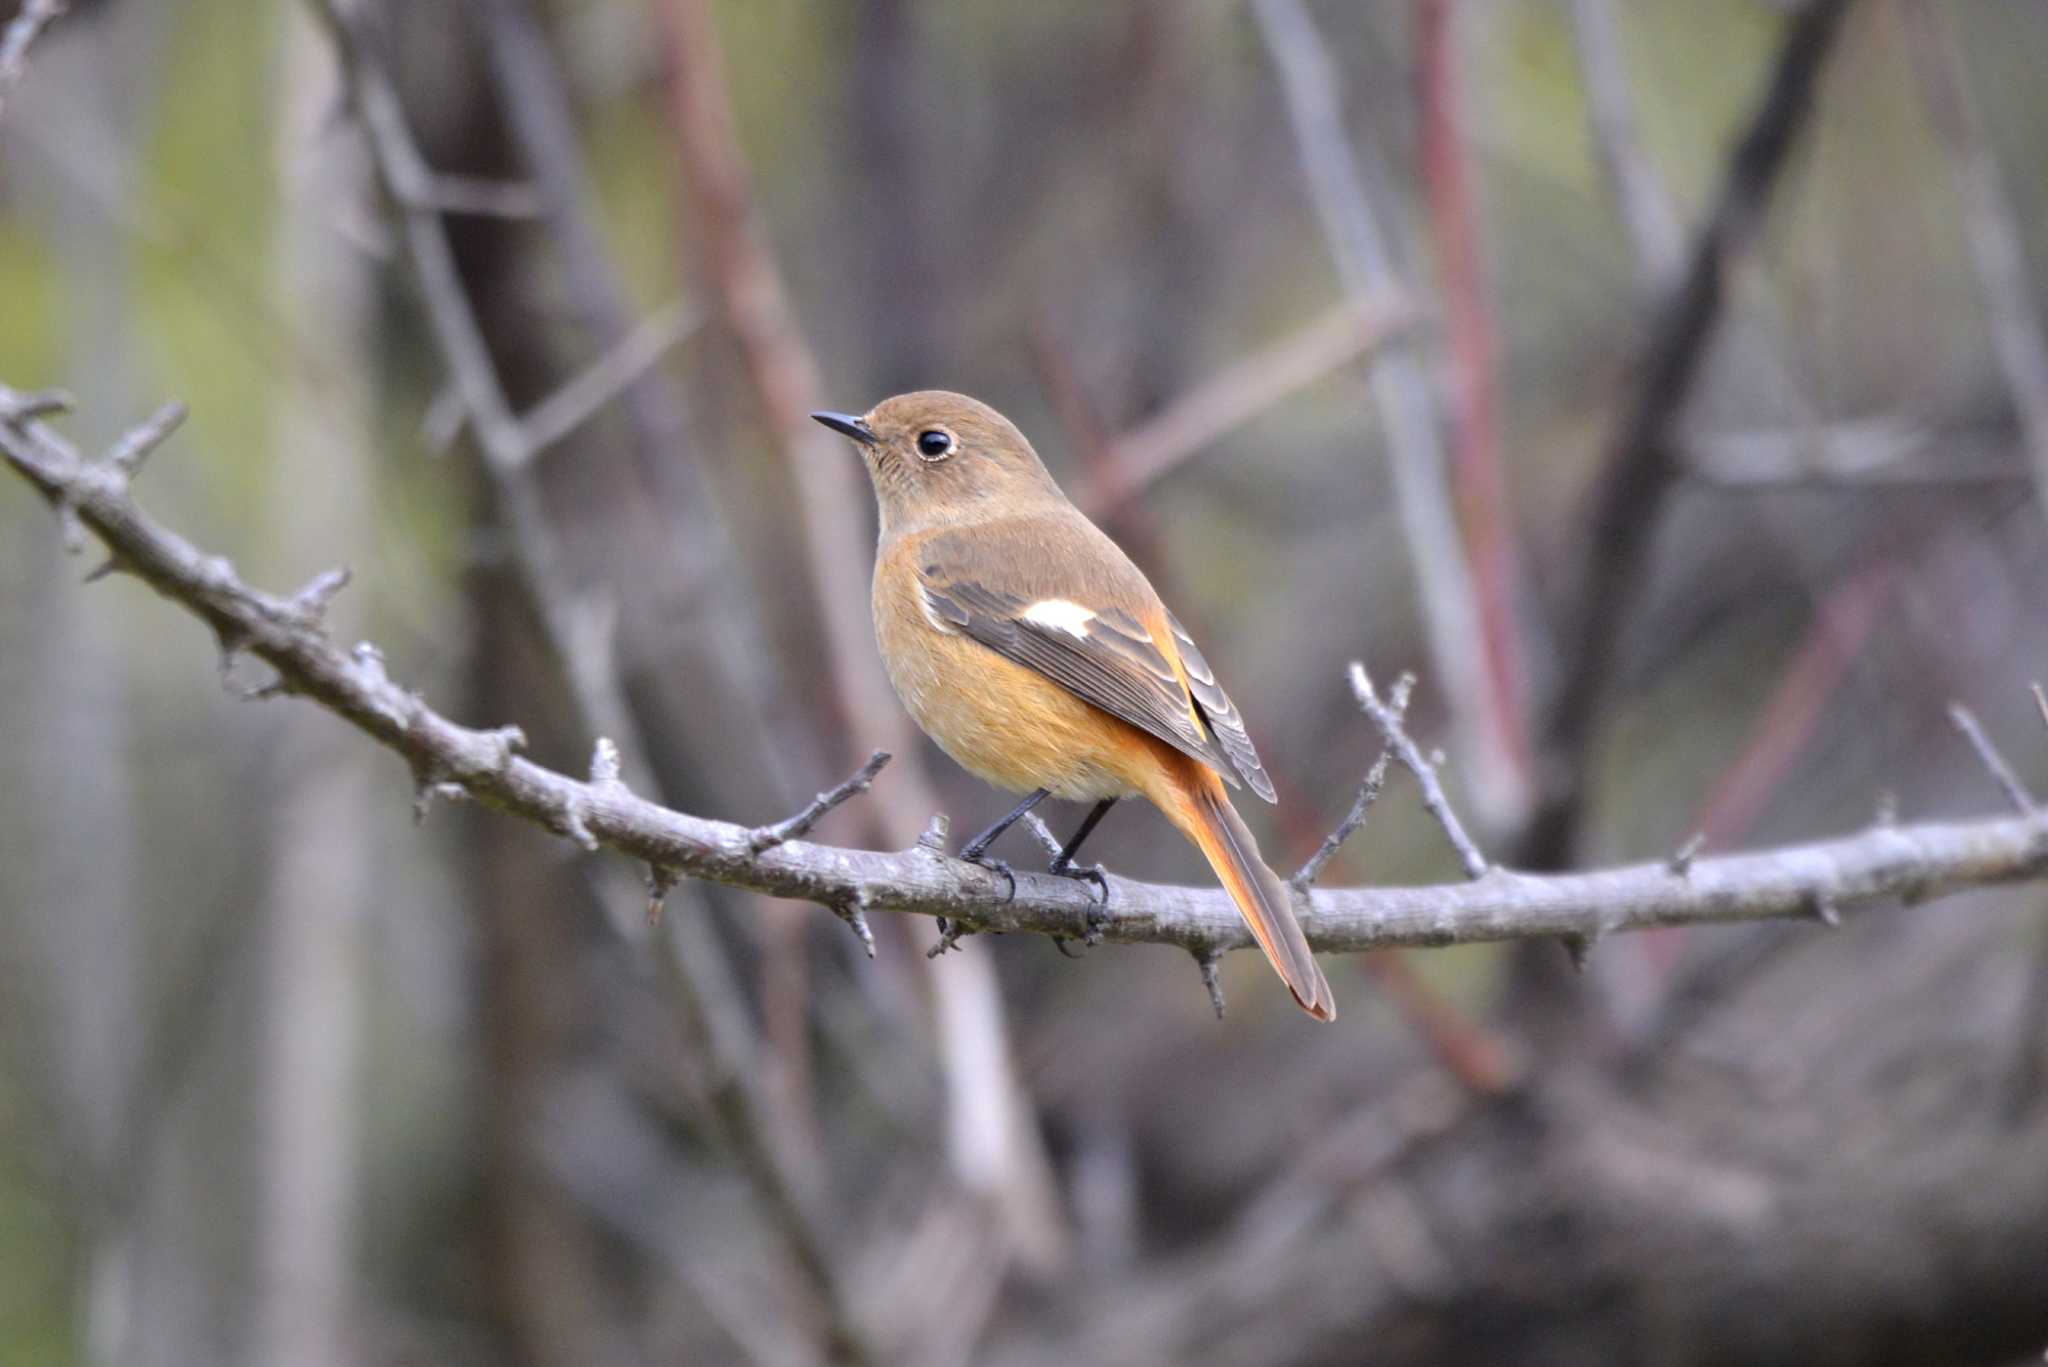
(1027, 644)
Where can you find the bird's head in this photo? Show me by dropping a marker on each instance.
(936, 457)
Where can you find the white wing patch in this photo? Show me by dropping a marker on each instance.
(931, 615)
(1060, 614)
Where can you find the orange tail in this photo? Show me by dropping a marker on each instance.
(1206, 817)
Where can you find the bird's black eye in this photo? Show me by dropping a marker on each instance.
(934, 443)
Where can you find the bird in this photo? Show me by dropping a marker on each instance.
(1032, 650)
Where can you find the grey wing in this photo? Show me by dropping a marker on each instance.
(1110, 661)
(1221, 713)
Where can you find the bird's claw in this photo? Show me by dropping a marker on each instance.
(1098, 911)
(994, 865)
(1092, 873)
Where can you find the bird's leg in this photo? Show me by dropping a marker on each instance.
(1063, 862)
(974, 849)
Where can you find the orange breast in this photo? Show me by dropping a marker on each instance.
(1002, 722)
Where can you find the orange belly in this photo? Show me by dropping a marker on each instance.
(1004, 723)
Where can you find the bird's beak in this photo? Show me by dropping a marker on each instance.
(846, 424)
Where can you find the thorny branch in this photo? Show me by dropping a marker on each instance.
(1368, 793)
(1824, 878)
(1387, 717)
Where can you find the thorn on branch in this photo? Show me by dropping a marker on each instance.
(571, 820)
(1579, 949)
(1208, 960)
(311, 602)
(935, 834)
(111, 565)
(1825, 911)
(370, 661)
(951, 932)
(763, 838)
(42, 403)
(2041, 701)
(2016, 793)
(661, 881)
(1041, 832)
(426, 789)
(135, 447)
(854, 913)
(278, 687)
(1681, 859)
(70, 527)
(508, 742)
(604, 764)
(1394, 731)
(231, 641)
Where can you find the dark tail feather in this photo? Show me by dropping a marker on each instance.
(1214, 825)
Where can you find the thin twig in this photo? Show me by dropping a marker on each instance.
(1235, 395)
(136, 446)
(22, 32)
(1389, 721)
(799, 826)
(1368, 793)
(1965, 721)
(480, 198)
(609, 376)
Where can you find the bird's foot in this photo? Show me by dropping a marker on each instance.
(1098, 911)
(994, 865)
(1088, 873)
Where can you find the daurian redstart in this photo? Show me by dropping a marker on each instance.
(1027, 644)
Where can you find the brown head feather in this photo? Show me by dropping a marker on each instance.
(939, 456)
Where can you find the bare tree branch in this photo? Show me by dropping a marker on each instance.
(1913, 862)
(1965, 721)
(1368, 793)
(1387, 717)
